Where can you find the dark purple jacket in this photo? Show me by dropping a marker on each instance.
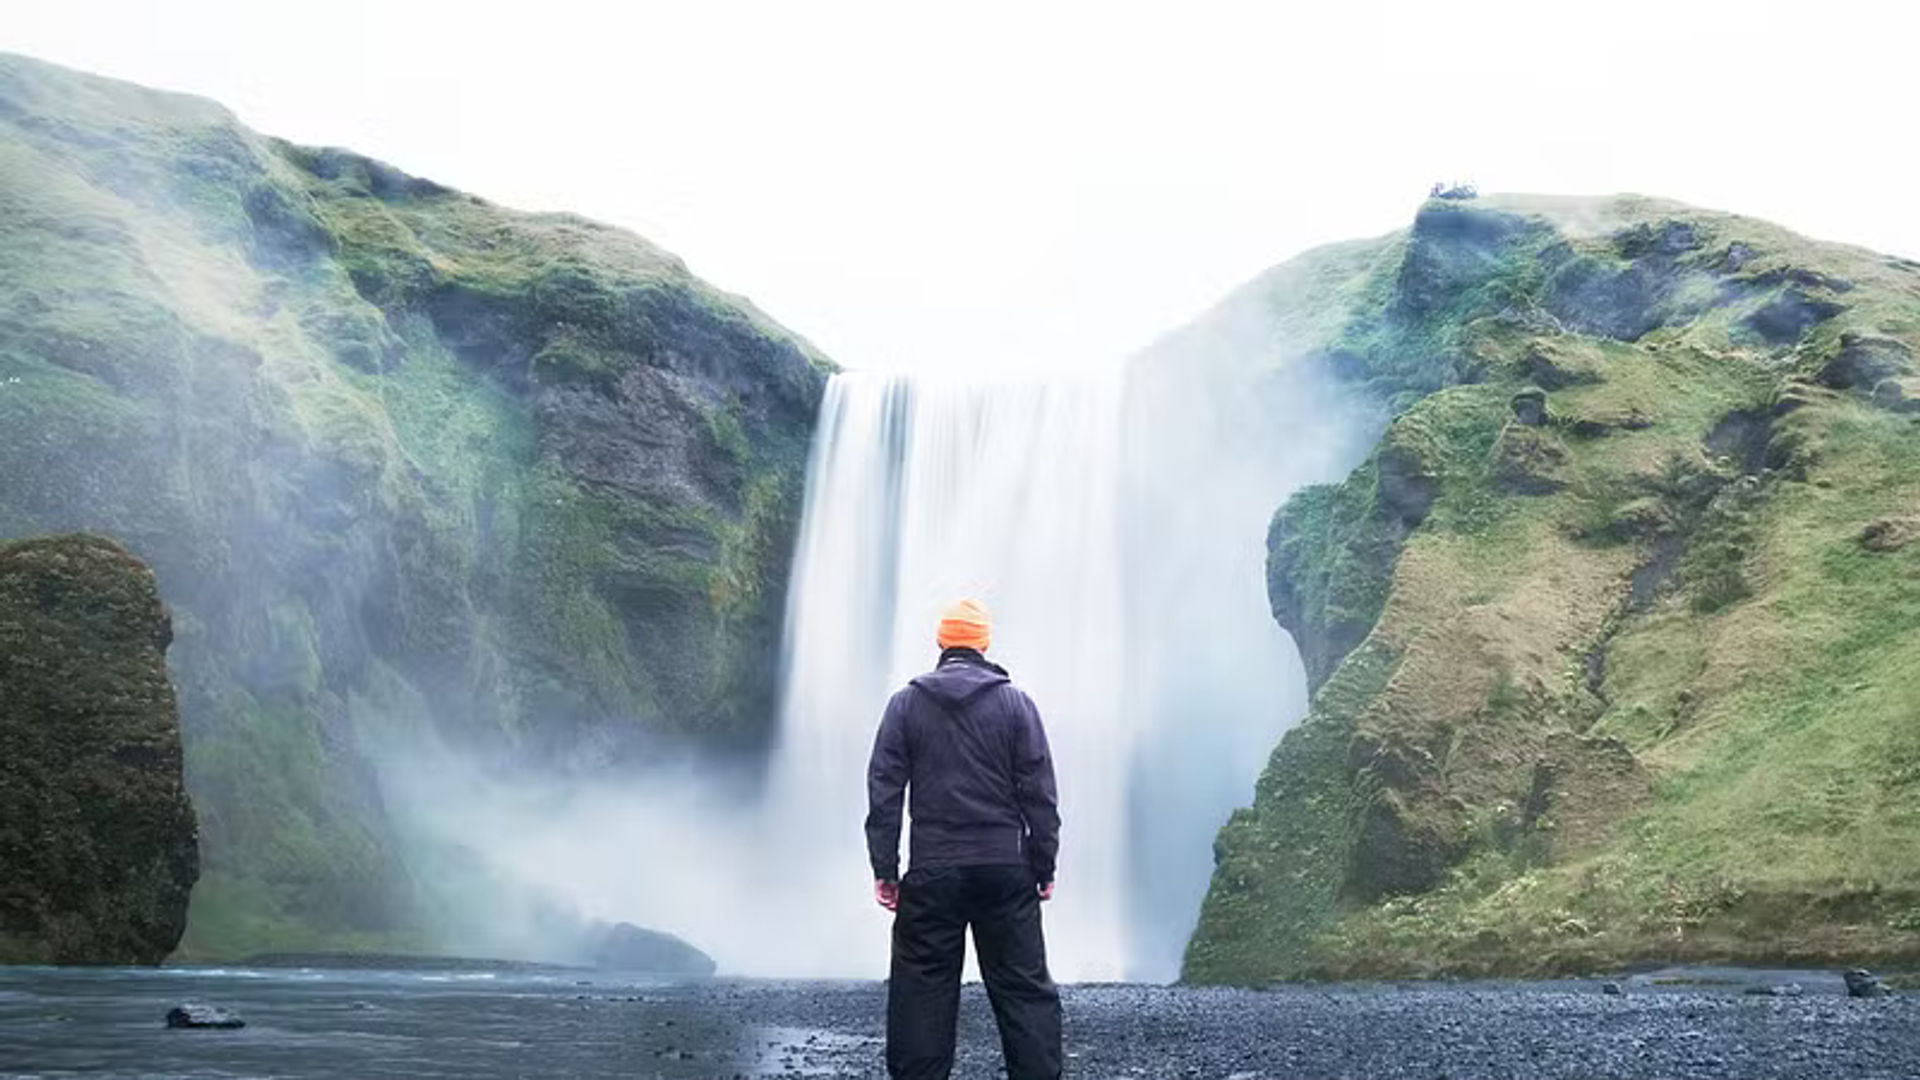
(969, 749)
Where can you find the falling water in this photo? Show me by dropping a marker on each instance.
(1115, 523)
(1115, 526)
(924, 491)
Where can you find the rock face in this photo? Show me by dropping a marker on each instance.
(96, 834)
(1608, 639)
(626, 947)
(411, 468)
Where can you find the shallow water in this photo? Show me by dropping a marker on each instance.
(57, 1022)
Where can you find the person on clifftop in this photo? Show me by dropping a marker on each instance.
(967, 747)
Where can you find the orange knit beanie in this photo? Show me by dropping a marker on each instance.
(965, 625)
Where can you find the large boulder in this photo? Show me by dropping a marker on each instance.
(98, 841)
(1862, 983)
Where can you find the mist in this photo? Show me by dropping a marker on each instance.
(394, 752)
(1115, 523)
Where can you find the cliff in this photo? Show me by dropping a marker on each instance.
(1613, 635)
(97, 837)
(408, 465)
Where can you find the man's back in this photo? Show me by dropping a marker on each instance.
(967, 748)
(970, 749)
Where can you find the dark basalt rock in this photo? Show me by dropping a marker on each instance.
(1592, 297)
(1668, 238)
(1862, 983)
(203, 1016)
(1453, 248)
(1408, 482)
(626, 947)
(1742, 437)
(99, 844)
(1786, 317)
(1627, 296)
(1894, 396)
(1530, 407)
(1793, 275)
(1863, 362)
(1407, 842)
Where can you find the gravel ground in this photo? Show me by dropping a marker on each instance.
(60, 1022)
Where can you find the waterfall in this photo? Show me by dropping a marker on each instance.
(924, 491)
(1114, 523)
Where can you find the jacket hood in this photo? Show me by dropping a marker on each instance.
(962, 676)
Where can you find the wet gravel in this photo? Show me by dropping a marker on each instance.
(63, 1022)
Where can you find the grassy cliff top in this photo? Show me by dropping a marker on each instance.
(173, 151)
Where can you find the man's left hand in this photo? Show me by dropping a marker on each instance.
(887, 894)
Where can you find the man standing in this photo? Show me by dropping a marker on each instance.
(967, 747)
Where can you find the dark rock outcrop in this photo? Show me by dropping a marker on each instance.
(97, 840)
(1629, 291)
(1787, 316)
(626, 947)
(1530, 407)
(1408, 481)
(1864, 361)
(1454, 249)
(1592, 296)
(1862, 983)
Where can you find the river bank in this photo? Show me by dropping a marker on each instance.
(472, 1024)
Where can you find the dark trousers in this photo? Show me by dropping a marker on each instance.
(929, 946)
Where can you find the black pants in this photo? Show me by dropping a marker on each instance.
(929, 946)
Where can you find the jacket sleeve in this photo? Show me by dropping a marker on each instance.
(1035, 791)
(887, 773)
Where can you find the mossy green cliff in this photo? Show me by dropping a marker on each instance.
(1615, 638)
(96, 834)
(404, 462)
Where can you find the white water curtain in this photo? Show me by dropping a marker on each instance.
(1115, 525)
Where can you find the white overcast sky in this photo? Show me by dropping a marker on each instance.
(1037, 184)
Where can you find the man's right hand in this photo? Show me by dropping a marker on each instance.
(1046, 891)
(887, 894)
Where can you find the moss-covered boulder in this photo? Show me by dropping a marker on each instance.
(414, 470)
(1614, 637)
(97, 838)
